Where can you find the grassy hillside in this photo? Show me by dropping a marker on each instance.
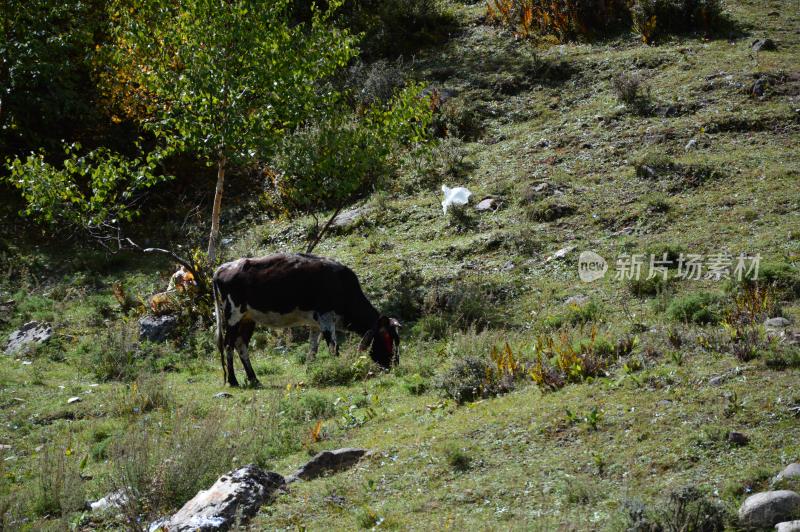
(619, 179)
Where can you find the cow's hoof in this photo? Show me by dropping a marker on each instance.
(233, 384)
(256, 384)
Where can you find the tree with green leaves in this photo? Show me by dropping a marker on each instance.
(224, 79)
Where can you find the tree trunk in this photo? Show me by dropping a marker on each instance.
(213, 239)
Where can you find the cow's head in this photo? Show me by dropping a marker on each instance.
(384, 342)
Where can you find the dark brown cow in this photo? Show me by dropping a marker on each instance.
(287, 290)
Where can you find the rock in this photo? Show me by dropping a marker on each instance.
(234, 497)
(716, 380)
(691, 145)
(114, 499)
(788, 526)
(4, 447)
(776, 323)
(790, 471)
(561, 253)
(328, 462)
(764, 510)
(157, 328)
(30, 334)
(738, 438)
(488, 203)
(75, 399)
(350, 217)
(759, 87)
(764, 45)
(222, 395)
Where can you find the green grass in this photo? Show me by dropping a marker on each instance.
(529, 114)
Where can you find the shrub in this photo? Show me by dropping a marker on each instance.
(338, 371)
(575, 315)
(415, 384)
(572, 19)
(148, 392)
(462, 218)
(653, 286)
(459, 117)
(159, 471)
(309, 405)
(566, 19)
(405, 293)
(456, 456)
(115, 355)
(558, 360)
(465, 380)
(685, 509)
(783, 279)
(549, 211)
(467, 303)
(431, 327)
(701, 308)
(59, 488)
(653, 18)
(630, 89)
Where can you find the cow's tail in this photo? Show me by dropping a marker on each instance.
(218, 305)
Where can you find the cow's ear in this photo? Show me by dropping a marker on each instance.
(366, 341)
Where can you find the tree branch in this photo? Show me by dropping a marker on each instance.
(319, 234)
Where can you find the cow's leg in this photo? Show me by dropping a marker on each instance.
(231, 340)
(246, 328)
(327, 324)
(313, 343)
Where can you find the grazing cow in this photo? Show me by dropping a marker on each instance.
(287, 290)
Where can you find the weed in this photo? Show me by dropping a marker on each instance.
(699, 307)
(575, 315)
(457, 457)
(462, 218)
(308, 405)
(560, 360)
(338, 371)
(549, 211)
(415, 384)
(743, 321)
(465, 380)
(431, 327)
(148, 392)
(676, 357)
(685, 509)
(59, 488)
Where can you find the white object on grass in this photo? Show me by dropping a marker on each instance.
(454, 196)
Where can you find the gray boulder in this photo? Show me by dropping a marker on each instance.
(761, 45)
(765, 510)
(30, 334)
(114, 500)
(788, 526)
(349, 218)
(791, 471)
(328, 462)
(157, 328)
(234, 497)
(776, 323)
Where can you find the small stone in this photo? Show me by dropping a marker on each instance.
(561, 253)
(488, 203)
(765, 510)
(508, 266)
(788, 526)
(717, 380)
(737, 438)
(75, 399)
(4, 447)
(764, 45)
(350, 218)
(114, 499)
(222, 395)
(776, 323)
(790, 471)
(691, 145)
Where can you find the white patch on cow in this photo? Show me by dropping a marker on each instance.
(236, 314)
